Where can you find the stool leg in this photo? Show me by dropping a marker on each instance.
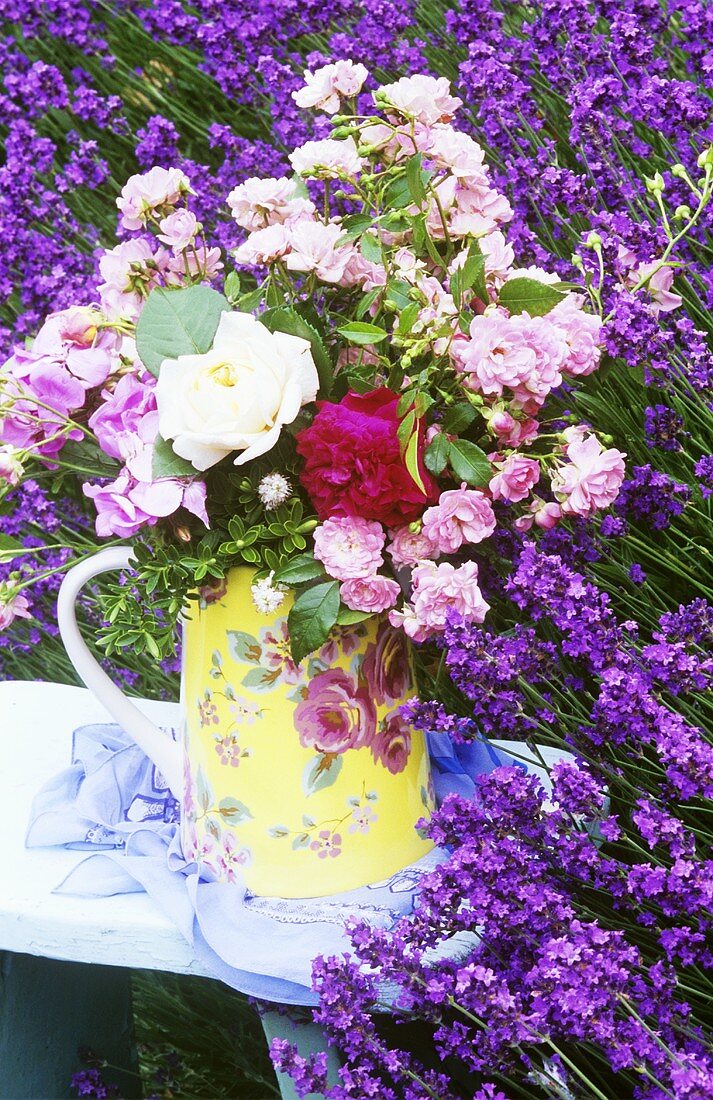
(309, 1039)
(47, 1010)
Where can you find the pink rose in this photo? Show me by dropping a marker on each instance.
(335, 714)
(257, 203)
(387, 666)
(461, 516)
(324, 87)
(373, 594)
(313, 247)
(349, 547)
(523, 354)
(455, 151)
(591, 479)
(129, 267)
(582, 331)
(428, 99)
(437, 591)
(515, 478)
(328, 159)
(264, 246)
(392, 744)
(152, 191)
(409, 547)
(179, 229)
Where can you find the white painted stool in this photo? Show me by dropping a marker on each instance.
(65, 961)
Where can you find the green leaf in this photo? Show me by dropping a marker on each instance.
(436, 455)
(370, 248)
(9, 547)
(414, 180)
(368, 300)
(412, 461)
(347, 617)
(469, 463)
(405, 428)
(231, 289)
(360, 332)
(300, 569)
(458, 418)
(320, 773)
(249, 301)
(313, 615)
(166, 463)
(288, 320)
(355, 224)
(178, 322)
(522, 295)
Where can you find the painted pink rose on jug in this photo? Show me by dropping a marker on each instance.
(336, 714)
(386, 667)
(392, 744)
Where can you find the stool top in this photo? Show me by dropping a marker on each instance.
(36, 725)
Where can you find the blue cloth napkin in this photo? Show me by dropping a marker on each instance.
(112, 802)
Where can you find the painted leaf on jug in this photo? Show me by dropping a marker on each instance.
(234, 811)
(320, 773)
(243, 647)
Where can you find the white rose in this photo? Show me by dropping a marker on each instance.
(237, 396)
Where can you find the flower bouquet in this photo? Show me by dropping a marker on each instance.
(336, 427)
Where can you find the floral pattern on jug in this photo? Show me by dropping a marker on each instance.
(298, 770)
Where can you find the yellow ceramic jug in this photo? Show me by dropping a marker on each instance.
(301, 780)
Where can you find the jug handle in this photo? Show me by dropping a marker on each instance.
(158, 745)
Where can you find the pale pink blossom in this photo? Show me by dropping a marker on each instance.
(314, 247)
(264, 246)
(324, 87)
(477, 208)
(583, 333)
(373, 594)
(538, 274)
(257, 203)
(499, 257)
(659, 286)
(128, 272)
(515, 478)
(439, 590)
(409, 547)
(202, 261)
(591, 479)
(12, 606)
(362, 272)
(178, 229)
(461, 516)
(150, 192)
(408, 265)
(544, 515)
(327, 159)
(427, 99)
(511, 431)
(521, 353)
(350, 548)
(454, 150)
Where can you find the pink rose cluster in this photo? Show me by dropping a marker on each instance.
(45, 385)
(438, 590)
(350, 549)
(592, 476)
(126, 426)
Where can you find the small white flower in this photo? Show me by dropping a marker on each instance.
(267, 596)
(273, 490)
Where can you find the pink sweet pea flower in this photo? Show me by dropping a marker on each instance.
(461, 516)
(349, 548)
(12, 606)
(515, 478)
(591, 479)
(373, 594)
(326, 85)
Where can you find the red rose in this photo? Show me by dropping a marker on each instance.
(353, 465)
